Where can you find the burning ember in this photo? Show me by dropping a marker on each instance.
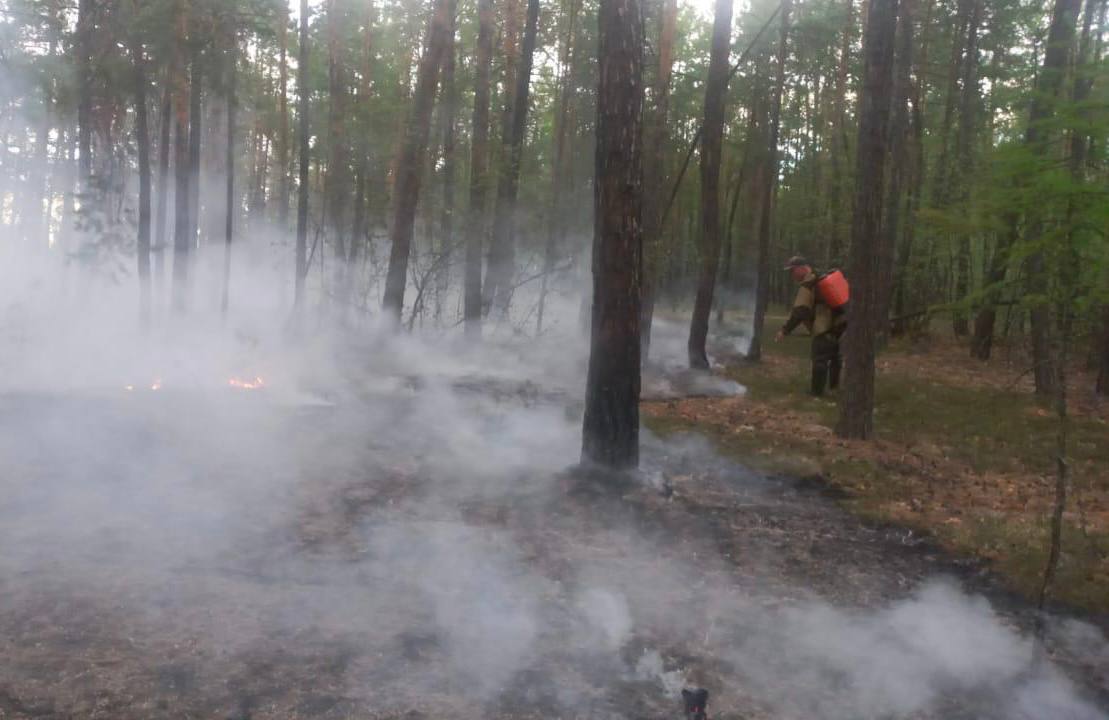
(255, 384)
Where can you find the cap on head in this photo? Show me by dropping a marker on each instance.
(796, 261)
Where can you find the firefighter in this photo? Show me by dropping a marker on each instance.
(821, 306)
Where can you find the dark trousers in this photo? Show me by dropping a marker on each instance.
(826, 362)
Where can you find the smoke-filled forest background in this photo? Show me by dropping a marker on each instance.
(406, 152)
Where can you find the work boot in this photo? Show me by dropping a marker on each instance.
(834, 368)
(819, 377)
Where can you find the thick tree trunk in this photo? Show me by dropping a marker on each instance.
(1048, 90)
(610, 431)
(142, 140)
(479, 163)
(857, 404)
(302, 188)
(711, 141)
(411, 160)
(656, 137)
(770, 188)
(502, 252)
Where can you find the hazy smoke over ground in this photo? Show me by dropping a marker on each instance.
(387, 527)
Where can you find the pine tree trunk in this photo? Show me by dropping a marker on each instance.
(857, 404)
(283, 119)
(981, 344)
(770, 188)
(85, 9)
(359, 226)
(556, 226)
(711, 141)
(164, 141)
(899, 157)
(656, 137)
(1102, 386)
(449, 104)
(142, 140)
(964, 150)
(195, 124)
(1048, 91)
(182, 243)
(479, 163)
(411, 160)
(502, 253)
(229, 220)
(610, 431)
(337, 179)
(302, 188)
(839, 149)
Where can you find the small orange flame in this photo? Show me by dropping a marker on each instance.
(255, 384)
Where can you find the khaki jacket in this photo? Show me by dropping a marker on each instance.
(813, 314)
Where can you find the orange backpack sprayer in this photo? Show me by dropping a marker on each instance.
(833, 289)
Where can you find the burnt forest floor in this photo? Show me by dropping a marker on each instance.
(421, 549)
(964, 454)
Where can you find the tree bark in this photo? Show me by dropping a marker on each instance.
(359, 227)
(182, 243)
(556, 226)
(283, 118)
(964, 150)
(610, 431)
(337, 180)
(1102, 386)
(899, 156)
(85, 9)
(229, 220)
(711, 141)
(142, 140)
(502, 252)
(164, 142)
(302, 188)
(411, 159)
(770, 188)
(1049, 88)
(448, 110)
(839, 149)
(479, 163)
(196, 122)
(857, 404)
(656, 137)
